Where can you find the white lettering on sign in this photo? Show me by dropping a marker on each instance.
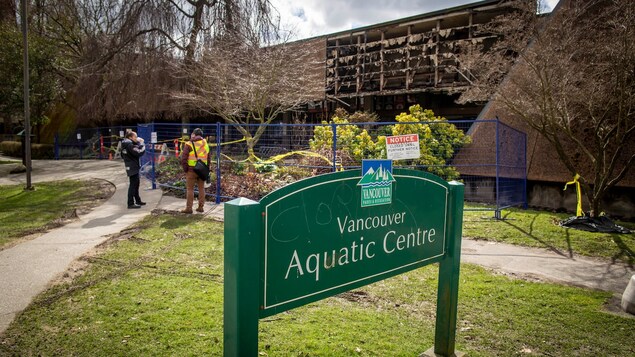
(357, 252)
(312, 263)
(402, 147)
(360, 224)
(393, 241)
(399, 139)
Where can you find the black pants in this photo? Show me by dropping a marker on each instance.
(133, 190)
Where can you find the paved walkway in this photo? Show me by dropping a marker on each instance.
(27, 269)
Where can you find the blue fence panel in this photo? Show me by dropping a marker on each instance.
(492, 166)
(89, 143)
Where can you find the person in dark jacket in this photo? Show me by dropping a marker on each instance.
(196, 148)
(132, 148)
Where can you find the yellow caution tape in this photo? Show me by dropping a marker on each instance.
(276, 158)
(280, 157)
(578, 191)
(226, 143)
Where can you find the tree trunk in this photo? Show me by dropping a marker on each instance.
(197, 25)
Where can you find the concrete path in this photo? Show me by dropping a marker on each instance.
(547, 265)
(27, 269)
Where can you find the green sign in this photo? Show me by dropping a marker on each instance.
(320, 239)
(327, 234)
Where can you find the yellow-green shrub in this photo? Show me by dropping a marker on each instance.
(438, 140)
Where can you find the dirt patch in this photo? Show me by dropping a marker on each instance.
(95, 193)
(126, 234)
(357, 296)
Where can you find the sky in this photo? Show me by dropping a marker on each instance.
(309, 18)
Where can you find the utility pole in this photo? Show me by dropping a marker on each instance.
(27, 114)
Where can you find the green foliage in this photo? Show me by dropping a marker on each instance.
(44, 83)
(264, 168)
(238, 168)
(25, 212)
(135, 297)
(11, 148)
(438, 139)
(296, 173)
(351, 139)
(38, 151)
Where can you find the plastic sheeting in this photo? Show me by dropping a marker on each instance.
(600, 224)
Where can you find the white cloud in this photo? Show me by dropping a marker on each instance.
(311, 18)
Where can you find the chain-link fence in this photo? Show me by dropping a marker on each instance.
(251, 160)
(89, 143)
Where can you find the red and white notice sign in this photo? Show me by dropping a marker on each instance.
(401, 147)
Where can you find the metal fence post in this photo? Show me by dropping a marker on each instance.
(101, 145)
(79, 143)
(525, 203)
(218, 160)
(56, 149)
(154, 159)
(334, 127)
(497, 211)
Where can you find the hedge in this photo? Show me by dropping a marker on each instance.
(38, 151)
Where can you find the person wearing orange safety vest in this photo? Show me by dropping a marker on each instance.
(188, 161)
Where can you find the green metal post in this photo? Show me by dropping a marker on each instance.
(243, 235)
(448, 291)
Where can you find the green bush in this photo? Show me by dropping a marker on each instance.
(296, 173)
(351, 139)
(11, 148)
(38, 151)
(438, 140)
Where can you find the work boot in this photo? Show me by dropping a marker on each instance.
(187, 210)
(200, 209)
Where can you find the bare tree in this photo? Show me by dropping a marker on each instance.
(247, 84)
(7, 11)
(570, 77)
(122, 54)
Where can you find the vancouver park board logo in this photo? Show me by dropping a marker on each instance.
(376, 182)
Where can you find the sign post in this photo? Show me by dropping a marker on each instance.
(332, 233)
(240, 304)
(448, 290)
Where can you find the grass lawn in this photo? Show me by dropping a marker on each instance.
(6, 162)
(540, 229)
(48, 206)
(157, 289)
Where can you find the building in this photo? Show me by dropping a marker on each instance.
(386, 67)
(389, 66)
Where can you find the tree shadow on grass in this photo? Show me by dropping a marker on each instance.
(529, 233)
(625, 251)
(14, 195)
(120, 267)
